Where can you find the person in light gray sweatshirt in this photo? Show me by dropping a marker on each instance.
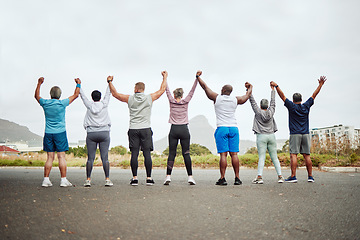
(264, 127)
(97, 125)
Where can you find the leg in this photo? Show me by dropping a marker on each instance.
(261, 144)
(134, 161)
(104, 151)
(173, 142)
(308, 164)
(147, 162)
(223, 164)
(293, 164)
(235, 163)
(273, 153)
(91, 151)
(48, 163)
(62, 164)
(185, 146)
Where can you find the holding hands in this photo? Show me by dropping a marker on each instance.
(110, 79)
(164, 74)
(77, 80)
(198, 73)
(248, 85)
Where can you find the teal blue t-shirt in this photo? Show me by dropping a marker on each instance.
(54, 110)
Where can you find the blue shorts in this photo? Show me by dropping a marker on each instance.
(227, 139)
(55, 142)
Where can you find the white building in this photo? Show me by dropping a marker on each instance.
(336, 132)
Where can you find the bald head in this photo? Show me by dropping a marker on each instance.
(226, 90)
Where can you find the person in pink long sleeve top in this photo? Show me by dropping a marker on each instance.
(179, 130)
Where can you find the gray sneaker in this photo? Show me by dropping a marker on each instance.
(87, 183)
(108, 183)
(258, 180)
(281, 179)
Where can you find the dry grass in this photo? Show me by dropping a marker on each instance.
(206, 161)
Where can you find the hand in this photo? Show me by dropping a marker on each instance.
(322, 80)
(273, 84)
(248, 85)
(110, 78)
(77, 80)
(198, 73)
(164, 74)
(41, 80)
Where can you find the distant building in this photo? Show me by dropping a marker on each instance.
(336, 133)
(80, 143)
(5, 150)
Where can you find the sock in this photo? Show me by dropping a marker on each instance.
(46, 179)
(63, 179)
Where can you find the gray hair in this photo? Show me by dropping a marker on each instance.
(178, 93)
(264, 103)
(55, 92)
(297, 97)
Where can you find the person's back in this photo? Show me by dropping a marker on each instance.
(139, 106)
(225, 107)
(299, 116)
(54, 110)
(264, 121)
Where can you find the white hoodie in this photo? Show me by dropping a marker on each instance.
(97, 117)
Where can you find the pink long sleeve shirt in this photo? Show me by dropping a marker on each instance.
(179, 110)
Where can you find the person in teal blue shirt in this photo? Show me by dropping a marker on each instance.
(55, 139)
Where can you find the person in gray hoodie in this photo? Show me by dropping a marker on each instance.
(140, 133)
(97, 125)
(264, 127)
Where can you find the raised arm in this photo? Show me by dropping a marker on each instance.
(209, 93)
(244, 98)
(158, 93)
(76, 92)
(191, 93)
(272, 106)
(119, 96)
(106, 98)
(85, 100)
(322, 80)
(254, 105)
(37, 90)
(280, 93)
(168, 93)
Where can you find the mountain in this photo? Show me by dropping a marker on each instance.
(12, 132)
(203, 133)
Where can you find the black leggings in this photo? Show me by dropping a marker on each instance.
(179, 132)
(134, 161)
(92, 140)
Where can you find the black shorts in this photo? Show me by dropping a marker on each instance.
(140, 139)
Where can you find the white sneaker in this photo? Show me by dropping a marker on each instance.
(87, 183)
(167, 180)
(65, 183)
(108, 183)
(46, 183)
(258, 180)
(191, 180)
(281, 179)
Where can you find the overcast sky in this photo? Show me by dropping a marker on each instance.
(289, 42)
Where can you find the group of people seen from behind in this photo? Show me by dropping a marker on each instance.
(97, 125)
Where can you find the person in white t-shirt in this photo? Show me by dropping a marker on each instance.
(227, 133)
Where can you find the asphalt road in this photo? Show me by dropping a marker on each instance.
(326, 209)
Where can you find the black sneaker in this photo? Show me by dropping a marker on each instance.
(237, 181)
(134, 182)
(150, 182)
(221, 182)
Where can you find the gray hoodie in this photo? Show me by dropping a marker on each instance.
(97, 117)
(264, 122)
(139, 106)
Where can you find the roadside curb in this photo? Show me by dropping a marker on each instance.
(341, 169)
